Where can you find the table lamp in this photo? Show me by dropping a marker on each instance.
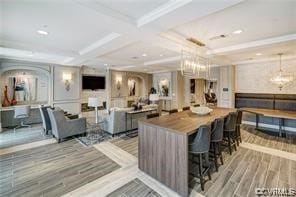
(94, 102)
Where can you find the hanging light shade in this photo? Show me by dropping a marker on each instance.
(195, 66)
(282, 78)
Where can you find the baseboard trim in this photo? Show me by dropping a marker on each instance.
(271, 151)
(269, 126)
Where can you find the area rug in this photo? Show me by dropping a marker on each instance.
(134, 188)
(94, 138)
(102, 136)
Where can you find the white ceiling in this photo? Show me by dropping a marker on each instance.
(258, 19)
(112, 32)
(132, 8)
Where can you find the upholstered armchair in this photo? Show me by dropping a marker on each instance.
(63, 127)
(115, 122)
(45, 118)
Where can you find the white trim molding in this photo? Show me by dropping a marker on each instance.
(99, 43)
(161, 11)
(258, 43)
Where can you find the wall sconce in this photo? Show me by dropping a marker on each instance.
(118, 82)
(67, 77)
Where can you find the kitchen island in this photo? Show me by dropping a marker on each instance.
(163, 146)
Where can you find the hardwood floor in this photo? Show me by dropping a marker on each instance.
(251, 135)
(57, 169)
(246, 170)
(52, 170)
(9, 138)
(134, 188)
(127, 144)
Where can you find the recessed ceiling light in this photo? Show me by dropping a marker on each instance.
(144, 54)
(161, 55)
(42, 32)
(105, 64)
(258, 54)
(237, 31)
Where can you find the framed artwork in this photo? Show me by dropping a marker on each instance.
(131, 87)
(25, 88)
(164, 87)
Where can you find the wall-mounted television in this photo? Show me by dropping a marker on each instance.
(93, 82)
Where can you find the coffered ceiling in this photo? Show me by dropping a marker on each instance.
(142, 35)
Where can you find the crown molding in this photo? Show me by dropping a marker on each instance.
(107, 11)
(258, 43)
(99, 43)
(26, 55)
(161, 11)
(162, 61)
(273, 59)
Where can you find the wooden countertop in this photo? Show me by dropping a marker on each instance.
(186, 122)
(272, 113)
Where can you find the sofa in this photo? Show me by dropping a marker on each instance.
(115, 121)
(63, 127)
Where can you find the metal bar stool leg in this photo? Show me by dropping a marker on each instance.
(200, 173)
(220, 153)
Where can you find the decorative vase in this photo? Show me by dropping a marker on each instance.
(5, 102)
(13, 101)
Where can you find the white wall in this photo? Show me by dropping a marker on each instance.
(67, 100)
(254, 78)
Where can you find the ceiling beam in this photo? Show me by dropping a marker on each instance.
(99, 43)
(161, 11)
(248, 45)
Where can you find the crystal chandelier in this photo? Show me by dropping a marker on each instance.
(282, 78)
(195, 66)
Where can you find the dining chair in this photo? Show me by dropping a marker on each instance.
(186, 108)
(230, 131)
(199, 148)
(22, 113)
(173, 111)
(153, 115)
(216, 140)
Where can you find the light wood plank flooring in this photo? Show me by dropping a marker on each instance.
(52, 170)
(134, 188)
(127, 144)
(253, 136)
(245, 169)
(9, 138)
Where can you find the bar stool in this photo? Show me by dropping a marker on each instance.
(238, 123)
(186, 108)
(173, 111)
(152, 115)
(216, 140)
(230, 131)
(198, 148)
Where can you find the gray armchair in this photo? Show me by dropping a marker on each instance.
(45, 118)
(63, 127)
